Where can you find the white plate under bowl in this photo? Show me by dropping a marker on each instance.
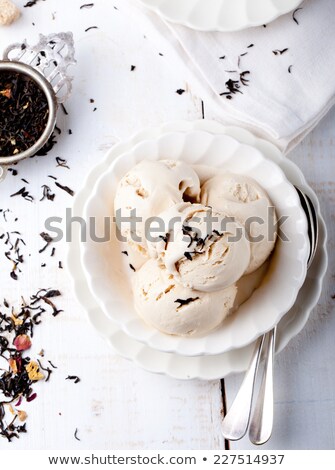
(275, 296)
(198, 367)
(221, 15)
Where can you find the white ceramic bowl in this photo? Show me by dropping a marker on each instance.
(221, 15)
(276, 295)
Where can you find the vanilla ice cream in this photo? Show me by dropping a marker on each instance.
(148, 189)
(177, 310)
(199, 246)
(202, 248)
(242, 198)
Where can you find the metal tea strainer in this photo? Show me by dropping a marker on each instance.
(46, 64)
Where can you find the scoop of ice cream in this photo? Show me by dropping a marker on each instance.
(242, 198)
(9, 12)
(177, 310)
(150, 188)
(202, 248)
(136, 254)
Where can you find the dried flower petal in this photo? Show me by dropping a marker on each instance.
(13, 365)
(22, 415)
(17, 321)
(31, 397)
(19, 401)
(22, 342)
(7, 93)
(33, 370)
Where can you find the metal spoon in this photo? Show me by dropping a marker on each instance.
(236, 422)
(262, 421)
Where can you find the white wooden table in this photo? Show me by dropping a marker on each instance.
(116, 405)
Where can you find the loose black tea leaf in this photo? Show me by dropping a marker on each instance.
(52, 293)
(13, 274)
(244, 80)
(45, 369)
(64, 109)
(75, 434)
(180, 91)
(188, 255)
(132, 267)
(91, 27)
(52, 305)
(47, 238)
(125, 253)
(75, 378)
(13, 244)
(61, 162)
(45, 295)
(294, 15)
(290, 69)
(47, 193)
(233, 87)
(4, 212)
(165, 239)
(185, 302)
(65, 188)
(31, 3)
(87, 5)
(47, 147)
(24, 113)
(24, 193)
(280, 52)
(132, 68)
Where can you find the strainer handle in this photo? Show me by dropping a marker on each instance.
(51, 56)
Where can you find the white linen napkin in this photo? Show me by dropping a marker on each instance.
(278, 79)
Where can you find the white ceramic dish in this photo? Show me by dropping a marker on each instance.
(205, 367)
(221, 15)
(277, 294)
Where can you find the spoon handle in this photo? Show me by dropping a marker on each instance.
(236, 421)
(262, 421)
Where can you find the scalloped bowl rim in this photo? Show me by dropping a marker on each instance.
(181, 345)
(169, 367)
(248, 23)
